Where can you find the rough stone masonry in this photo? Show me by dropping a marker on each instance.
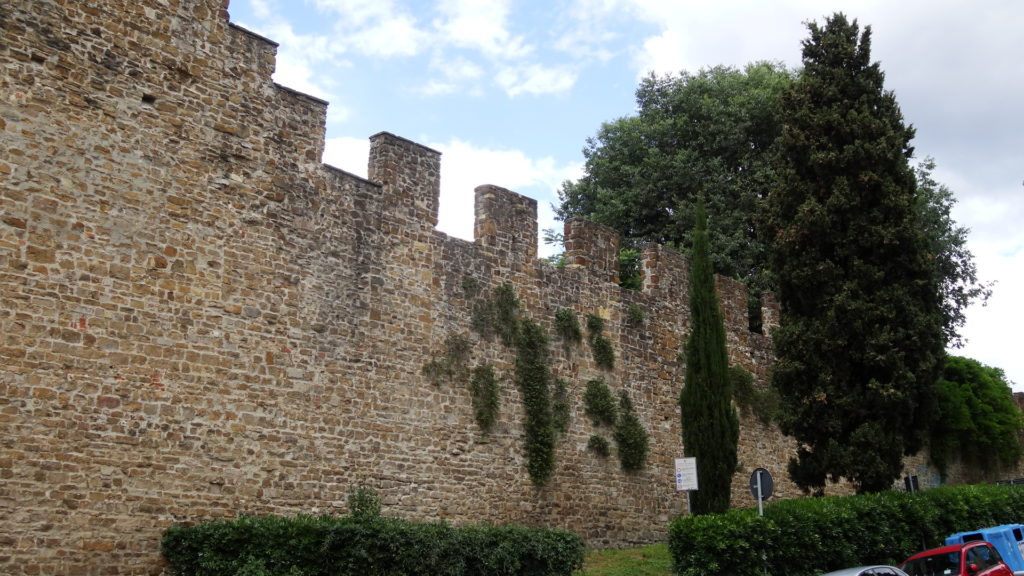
(200, 319)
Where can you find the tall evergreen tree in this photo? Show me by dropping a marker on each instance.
(860, 341)
(709, 423)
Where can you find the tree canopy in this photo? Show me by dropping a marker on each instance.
(713, 134)
(704, 135)
(977, 422)
(860, 341)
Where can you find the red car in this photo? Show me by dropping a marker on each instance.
(976, 558)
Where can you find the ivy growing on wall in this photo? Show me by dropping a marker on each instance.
(560, 410)
(533, 377)
(453, 365)
(635, 315)
(599, 403)
(567, 326)
(630, 436)
(598, 445)
(484, 391)
(500, 316)
(749, 399)
(545, 400)
(601, 347)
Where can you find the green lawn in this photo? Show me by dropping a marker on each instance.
(651, 560)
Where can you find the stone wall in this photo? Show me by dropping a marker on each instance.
(200, 319)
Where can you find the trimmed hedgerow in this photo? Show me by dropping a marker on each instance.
(373, 546)
(809, 536)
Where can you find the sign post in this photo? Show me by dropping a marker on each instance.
(686, 478)
(761, 488)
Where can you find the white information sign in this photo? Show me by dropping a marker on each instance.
(686, 474)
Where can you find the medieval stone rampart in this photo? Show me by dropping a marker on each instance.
(199, 319)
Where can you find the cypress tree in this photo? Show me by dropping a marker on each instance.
(709, 423)
(860, 339)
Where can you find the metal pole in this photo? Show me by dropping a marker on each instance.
(760, 499)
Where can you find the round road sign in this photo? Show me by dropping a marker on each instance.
(767, 485)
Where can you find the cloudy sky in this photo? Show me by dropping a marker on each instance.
(509, 90)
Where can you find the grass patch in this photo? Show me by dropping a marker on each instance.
(653, 560)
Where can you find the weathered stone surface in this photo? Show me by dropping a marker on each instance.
(199, 319)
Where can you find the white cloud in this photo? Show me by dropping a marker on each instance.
(456, 72)
(298, 59)
(535, 79)
(396, 36)
(988, 327)
(465, 166)
(358, 13)
(350, 154)
(261, 9)
(482, 26)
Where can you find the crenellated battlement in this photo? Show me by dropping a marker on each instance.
(200, 319)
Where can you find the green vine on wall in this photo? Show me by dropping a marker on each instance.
(601, 347)
(484, 391)
(560, 409)
(453, 365)
(599, 403)
(630, 436)
(533, 376)
(598, 445)
(567, 326)
(763, 403)
(500, 316)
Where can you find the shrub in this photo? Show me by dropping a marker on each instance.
(370, 546)
(815, 535)
(363, 502)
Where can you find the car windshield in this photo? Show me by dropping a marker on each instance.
(934, 565)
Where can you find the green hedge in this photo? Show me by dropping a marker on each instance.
(809, 536)
(329, 546)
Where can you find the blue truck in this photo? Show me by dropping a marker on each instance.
(1008, 540)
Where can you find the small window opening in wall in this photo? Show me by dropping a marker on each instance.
(148, 99)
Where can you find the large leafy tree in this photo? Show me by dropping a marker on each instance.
(709, 423)
(977, 422)
(860, 341)
(954, 268)
(712, 133)
(704, 135)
